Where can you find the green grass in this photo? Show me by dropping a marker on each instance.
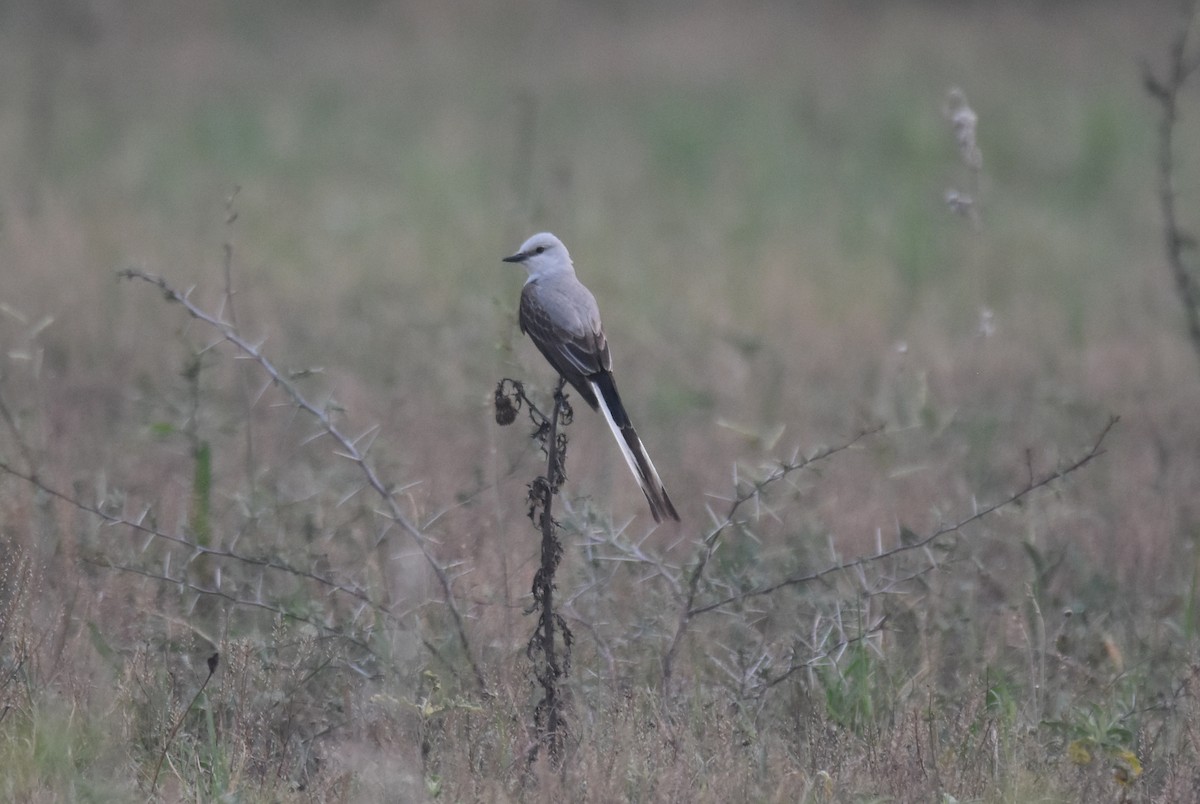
(755, 197)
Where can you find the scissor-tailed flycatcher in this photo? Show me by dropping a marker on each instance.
(561, 317)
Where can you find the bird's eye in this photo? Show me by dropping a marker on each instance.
(540, 249)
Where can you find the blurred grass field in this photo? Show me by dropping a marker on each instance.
(755, 195)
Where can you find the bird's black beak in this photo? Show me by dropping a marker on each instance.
(515, 258)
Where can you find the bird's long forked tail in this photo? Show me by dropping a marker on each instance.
(635, 452)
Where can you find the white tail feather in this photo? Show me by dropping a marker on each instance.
(639, 463)
(616, 431)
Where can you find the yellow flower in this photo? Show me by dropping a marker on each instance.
(1126, 767)
(1078, 752)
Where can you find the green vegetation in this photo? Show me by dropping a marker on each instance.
(756, 197)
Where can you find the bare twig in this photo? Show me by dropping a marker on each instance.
(552, 664)
(1179, 242)
(22, 445)
(550, 623)
(346, 448)
(229, 312)
(212, 668)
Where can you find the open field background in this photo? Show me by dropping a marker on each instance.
(754, 194)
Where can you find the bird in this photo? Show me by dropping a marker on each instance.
(561, 317)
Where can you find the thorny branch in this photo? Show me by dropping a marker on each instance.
(1033, 485)
(200, 550)
(347, 448)
(756, 676)
(709, 546)
(691, 609)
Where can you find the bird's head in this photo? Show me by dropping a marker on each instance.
(541, 254)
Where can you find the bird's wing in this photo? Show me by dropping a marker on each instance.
(564, 337)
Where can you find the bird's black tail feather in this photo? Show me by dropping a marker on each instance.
(632, 447)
